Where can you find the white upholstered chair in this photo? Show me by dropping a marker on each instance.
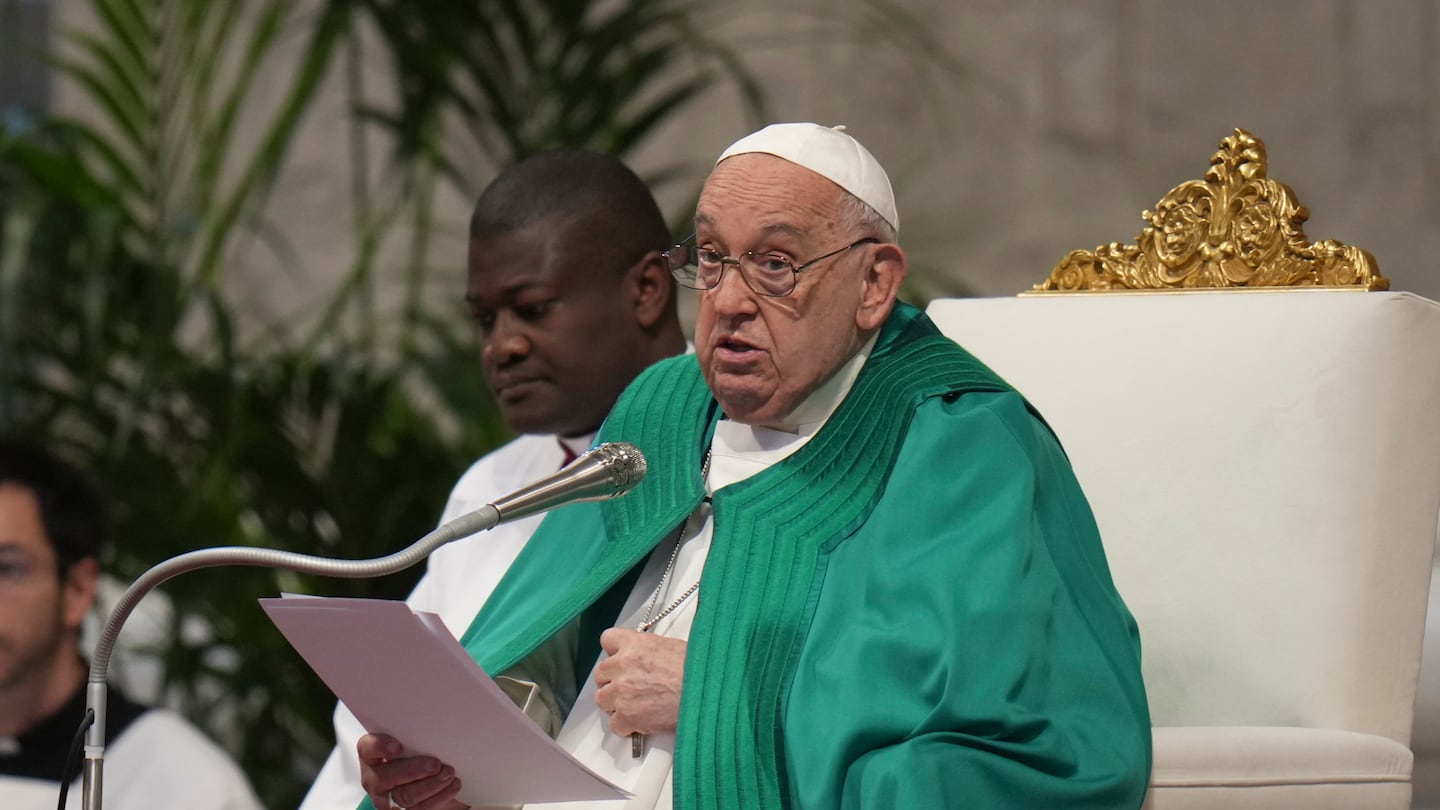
(1264, 467)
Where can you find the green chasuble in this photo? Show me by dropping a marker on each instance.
(913, 610)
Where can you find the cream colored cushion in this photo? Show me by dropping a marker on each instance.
(1264, 766)
(1208, 768)
(1268, 756)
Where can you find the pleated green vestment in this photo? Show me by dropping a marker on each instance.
(912, 611)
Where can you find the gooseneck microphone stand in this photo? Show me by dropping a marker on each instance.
(608, 471)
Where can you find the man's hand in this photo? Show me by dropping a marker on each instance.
(639, 684)
(396, 781)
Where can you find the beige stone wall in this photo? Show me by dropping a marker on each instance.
(1075, 116)
(1031, 128)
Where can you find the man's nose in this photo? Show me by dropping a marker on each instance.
(505, 343)
(732, 294)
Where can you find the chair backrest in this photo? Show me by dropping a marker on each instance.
(1265, 472)
(1264, 465)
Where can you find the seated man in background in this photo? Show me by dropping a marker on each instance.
(569, 286)
(904, 600)
(52, 525)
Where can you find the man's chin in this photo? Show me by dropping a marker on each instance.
(528, 423)
(533, 419)
(526, 412)
(749, 408)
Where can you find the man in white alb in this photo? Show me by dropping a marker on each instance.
(573, 298)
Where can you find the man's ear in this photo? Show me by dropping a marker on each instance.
(881, 286)
(78, 591)
(650, 289)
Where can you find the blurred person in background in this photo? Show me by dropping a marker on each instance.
(52, 529)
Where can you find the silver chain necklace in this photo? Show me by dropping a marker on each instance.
(637, 741)
(652, 618)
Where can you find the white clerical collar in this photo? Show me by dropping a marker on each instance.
(739, 451)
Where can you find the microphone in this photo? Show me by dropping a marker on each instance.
(608, 471)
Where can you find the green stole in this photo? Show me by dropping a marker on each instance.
(766, 562)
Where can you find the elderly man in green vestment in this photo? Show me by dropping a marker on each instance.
(860, 572)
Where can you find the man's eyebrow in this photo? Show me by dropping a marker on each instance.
(472, 298)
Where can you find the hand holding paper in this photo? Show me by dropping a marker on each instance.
(388, 772)
(404, 675)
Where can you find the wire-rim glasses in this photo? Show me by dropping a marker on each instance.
(768, 274)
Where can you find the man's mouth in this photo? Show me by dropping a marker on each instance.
(514, 386)
(736, 356)
(734, 345)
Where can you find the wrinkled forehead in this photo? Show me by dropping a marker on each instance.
(769, 193)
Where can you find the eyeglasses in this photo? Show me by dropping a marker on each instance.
(768, 274)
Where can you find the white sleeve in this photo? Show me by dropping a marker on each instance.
(161, 762)
(337, 787)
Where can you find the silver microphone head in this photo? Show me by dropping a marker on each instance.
(623, 462)
(608, 471)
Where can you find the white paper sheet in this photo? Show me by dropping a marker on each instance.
(403, 674)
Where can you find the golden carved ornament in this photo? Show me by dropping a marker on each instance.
(1235, 229)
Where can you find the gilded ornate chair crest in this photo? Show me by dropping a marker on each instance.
(1235, 229)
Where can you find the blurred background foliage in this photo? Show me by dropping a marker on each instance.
(338, 433)
(338, 436)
